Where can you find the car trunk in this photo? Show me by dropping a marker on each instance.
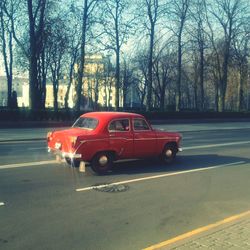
(64, 139)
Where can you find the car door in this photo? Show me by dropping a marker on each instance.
(144, 138)
(121, 137)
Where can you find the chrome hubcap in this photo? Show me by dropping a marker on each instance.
(103, 160)
(169, 153)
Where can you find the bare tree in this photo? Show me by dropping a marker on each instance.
(108, 81)
(117, 24)
(6, 42)
(88, 8)
(36, 11)
(152, 11)
(240, 54)
(163, 71)
(198, 34)
(141, 75)
(179, 13)
(127, 78)
(73, 54)
(73, 20)
(36, 14)
(229, 15)
(57, 46)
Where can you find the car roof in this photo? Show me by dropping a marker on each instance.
(110, 115)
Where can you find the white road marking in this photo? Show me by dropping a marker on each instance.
(2, 204)
(217, 145)
(159, 176)
(27, 164)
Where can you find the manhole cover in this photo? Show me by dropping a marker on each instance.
(111, 188)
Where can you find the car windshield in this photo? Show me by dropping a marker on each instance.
(85, 123)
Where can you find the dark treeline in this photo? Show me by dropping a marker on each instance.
(174, 54)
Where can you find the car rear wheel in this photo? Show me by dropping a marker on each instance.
(169, 153)
(72, 162)
(102, 162)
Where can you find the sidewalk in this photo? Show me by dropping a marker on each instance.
(233, 235)
(12, 134)
(230, 233)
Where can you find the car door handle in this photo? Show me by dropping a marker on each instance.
(111, 135)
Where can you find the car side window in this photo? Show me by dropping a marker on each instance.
(140, 124)
(121, 125)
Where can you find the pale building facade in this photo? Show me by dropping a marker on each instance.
(98, 82)
(98, 87)
(62, 89)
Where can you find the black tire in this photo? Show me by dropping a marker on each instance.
(72, 162)
(102, 162)
(169, 153)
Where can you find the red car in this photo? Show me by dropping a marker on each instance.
(103, 137)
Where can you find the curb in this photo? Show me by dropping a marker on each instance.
(23, 140)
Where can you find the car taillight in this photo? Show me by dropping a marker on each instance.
(49, 135)
(73, 140)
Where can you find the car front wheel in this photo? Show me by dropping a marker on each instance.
(169, 153)
(102, 163)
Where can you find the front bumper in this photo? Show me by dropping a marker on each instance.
(65, 154)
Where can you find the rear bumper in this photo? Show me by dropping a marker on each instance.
(65, 154)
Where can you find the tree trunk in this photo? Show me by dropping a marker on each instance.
(150, 69)
(117, 79)
(7, 65)
(34, 36)
(82, 59)
(196, 90)
(179, 74)
(223, 83)
(202, 106)
(242, 82)
(55, 94)
(162, 98)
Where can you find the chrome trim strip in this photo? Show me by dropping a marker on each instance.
(128, 139)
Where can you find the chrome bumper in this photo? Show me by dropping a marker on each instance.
(65, 154)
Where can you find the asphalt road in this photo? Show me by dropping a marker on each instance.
(53, 206)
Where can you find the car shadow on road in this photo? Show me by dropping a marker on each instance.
(182, 163)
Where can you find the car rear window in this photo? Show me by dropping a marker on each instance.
(86, 123)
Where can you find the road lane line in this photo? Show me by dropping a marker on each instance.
(27, 164)
(217, 145)
(158, 176)
(198, 231)
(2, 204)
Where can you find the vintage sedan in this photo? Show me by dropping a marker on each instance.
(103, 137)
